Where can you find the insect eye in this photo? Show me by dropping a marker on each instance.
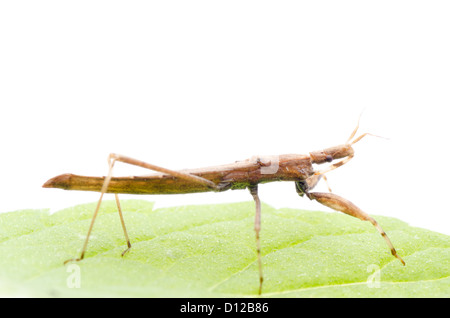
(329, 158)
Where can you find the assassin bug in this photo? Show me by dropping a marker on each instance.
(245, 174)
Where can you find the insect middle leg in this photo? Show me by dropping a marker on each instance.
(254, 192)
(112, 158)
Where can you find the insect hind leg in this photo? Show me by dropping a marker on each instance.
(112, 158)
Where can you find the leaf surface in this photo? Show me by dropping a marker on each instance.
(209, 251)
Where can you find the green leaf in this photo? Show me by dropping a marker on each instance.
(209, 251)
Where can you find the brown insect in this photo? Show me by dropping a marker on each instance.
(245, 174)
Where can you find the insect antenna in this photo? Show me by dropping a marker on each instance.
(349, 140)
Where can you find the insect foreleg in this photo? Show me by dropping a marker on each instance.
(343, 205)
(335, 165)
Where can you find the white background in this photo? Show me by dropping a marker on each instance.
(186, 84)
